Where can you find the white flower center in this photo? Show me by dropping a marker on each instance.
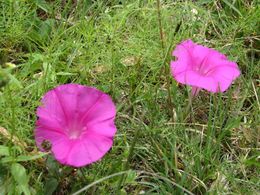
(75, 133)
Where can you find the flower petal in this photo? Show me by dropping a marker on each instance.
(103, 110)
(225, 76)
(105, 128)
(61, 149)
(88, 150)
(50, 113)
(44, 134)
(194, 79)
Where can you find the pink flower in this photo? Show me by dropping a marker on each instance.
(202, 67)
(78, 121)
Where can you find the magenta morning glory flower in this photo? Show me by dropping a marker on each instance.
(203, 68)
(78, 121)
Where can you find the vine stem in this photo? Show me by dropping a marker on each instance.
(188, 108)
(160, 23)
(166, 70)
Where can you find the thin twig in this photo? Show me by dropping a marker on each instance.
(256, 96)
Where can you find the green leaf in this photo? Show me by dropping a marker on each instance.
(52, 166)
(24, 189)
(15, 81)
(19, 174)
(66, 74)
(131, 177)
(4, 151)
(22, 158)
(253, 161)
(42, 4)
(232, 7)
(50, 186)
(7, 159)
(3, 175)
(4, 78)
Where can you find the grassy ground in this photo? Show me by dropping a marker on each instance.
(162, 146)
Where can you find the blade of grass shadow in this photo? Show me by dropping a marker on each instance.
(99, 181)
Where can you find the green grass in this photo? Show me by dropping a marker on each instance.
(116, 47)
